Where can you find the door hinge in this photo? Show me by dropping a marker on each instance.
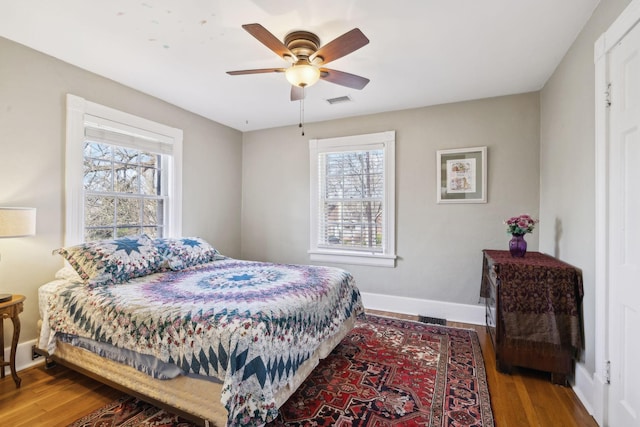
(607, 372)
(607, 96)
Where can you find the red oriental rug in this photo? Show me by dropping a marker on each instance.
(386, 372)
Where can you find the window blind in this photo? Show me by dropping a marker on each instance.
(102, 130)
(351, 205)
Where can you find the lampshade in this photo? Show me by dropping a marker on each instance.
(302, 74)
(17, 222)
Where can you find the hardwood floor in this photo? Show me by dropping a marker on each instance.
(526, 398)
(58, 396)
(50, 397)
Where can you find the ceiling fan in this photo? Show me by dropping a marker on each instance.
(302, 49)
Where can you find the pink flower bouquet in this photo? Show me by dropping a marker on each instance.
(520, 224)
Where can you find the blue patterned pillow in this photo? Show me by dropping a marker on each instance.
(114, 261)
(186, 252)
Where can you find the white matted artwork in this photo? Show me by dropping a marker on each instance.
(462, 175)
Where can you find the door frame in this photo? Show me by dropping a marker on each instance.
(603, 46)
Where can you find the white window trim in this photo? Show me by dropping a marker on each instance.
(358, 257)
(78, 110)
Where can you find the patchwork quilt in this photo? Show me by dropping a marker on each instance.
(248, 324)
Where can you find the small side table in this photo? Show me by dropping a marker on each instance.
(11, 309)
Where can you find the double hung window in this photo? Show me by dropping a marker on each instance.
(352, 199)
(123, 174)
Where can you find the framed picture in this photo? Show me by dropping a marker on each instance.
(462, 175)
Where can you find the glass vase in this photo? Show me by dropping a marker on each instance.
(517, 246)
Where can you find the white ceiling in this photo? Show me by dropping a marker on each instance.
(421, 52)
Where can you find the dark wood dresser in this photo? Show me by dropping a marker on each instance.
(533, 312)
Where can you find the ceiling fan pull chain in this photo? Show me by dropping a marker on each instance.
(301, 124)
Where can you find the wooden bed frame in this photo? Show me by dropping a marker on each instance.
(196, 400)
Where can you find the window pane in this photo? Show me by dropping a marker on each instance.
(97, 151)
(375, 186)
(125, 155)
(334, 187)
(148, 159)
(353, 186)
(98, 175)
(149, 181)
(128, 212)
(351, 212)
(332, 224)
(373, 224)
(352, 235)
(334, 163)
(152, 211)
(99, 211)
(126, 178)
(353, 163)
(373, 212)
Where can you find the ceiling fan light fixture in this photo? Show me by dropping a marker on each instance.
(302, 75)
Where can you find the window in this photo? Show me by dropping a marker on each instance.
(124, 192)
(123, 174)
(353, 199)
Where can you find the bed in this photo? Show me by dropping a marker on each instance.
(219, 340)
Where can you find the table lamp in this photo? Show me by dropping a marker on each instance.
(16, 222)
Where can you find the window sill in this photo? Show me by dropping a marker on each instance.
(355, 258)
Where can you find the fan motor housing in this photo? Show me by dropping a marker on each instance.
(302, 43)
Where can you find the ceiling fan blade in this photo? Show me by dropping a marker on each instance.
(256, 71)
(297, 93)
(269, 40)
(343, 79)
(341, 46)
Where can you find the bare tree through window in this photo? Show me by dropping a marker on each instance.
(123, 192)
(353, 199)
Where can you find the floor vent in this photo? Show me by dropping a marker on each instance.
(432, 320)
(339, 100)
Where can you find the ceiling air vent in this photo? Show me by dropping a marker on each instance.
(339, 100)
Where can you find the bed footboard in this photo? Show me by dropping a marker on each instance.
(196, 400)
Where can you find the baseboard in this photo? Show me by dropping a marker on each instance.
(591, 390)
(600, 399)
(23, 356)
(465, 313)
(584, 387)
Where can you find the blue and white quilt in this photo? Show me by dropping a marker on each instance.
(248, 324)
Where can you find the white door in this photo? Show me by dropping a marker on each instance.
(624, 232)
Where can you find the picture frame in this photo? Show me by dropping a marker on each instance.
(462, 175)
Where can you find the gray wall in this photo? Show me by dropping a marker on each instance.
(439, 245)
(33, 87)
(537, 144)
(567, 160)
